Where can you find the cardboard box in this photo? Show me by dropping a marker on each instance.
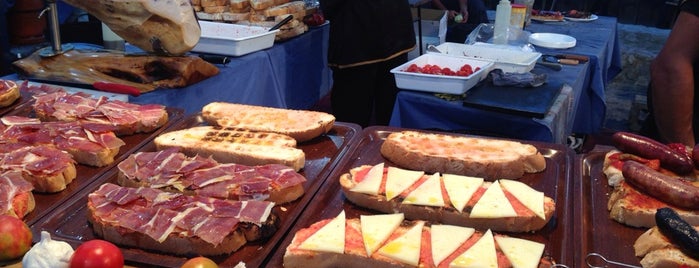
(434, 29)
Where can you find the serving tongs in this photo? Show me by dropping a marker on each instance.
(596, 260)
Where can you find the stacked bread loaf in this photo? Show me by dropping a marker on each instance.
(265, 13)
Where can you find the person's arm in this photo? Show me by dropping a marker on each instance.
(439, 5)
(672, 82)
(463, 5)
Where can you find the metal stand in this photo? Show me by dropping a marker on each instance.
(56, 46)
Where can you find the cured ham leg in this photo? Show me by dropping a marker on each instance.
(162, 26)
(143, 72)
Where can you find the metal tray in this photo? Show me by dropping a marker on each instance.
(598, 233)
(554, 182)
(69, 222)
(46, 202)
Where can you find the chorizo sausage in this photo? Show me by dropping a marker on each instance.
(651, 149)
(671, 190)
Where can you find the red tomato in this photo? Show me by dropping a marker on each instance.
(200, 262)
(97, 253)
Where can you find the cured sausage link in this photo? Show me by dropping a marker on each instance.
(651, 149)
(672, 190)
(678, 231)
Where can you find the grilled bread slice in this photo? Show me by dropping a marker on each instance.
(9, 93)
(656, 250)
(471, 156)
(302, 125)
(235, 145)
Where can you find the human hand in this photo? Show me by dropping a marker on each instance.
(461, 17)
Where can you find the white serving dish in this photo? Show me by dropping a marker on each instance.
(233, 39)
(507, 60)
(440, 83)
(552, 40)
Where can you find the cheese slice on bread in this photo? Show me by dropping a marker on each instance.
(410, 244)
(231, 145)
(465, 201)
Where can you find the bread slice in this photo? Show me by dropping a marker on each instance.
(261, 4)
(239, 4)
(302, 125)
(125, 118)
(119, 223)
(9, 92)
(407, 244)
(175, 172)
(471, 156)
(629, 206)
(234, 145)
(16, 198)
(525, 219)
(288, 8)
(656, 250)
(48, 169)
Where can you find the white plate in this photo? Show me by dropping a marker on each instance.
(552, 40)
(591, 18)
(545, 19)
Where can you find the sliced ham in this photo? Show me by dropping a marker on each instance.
(158, 214)
(205, 176)
(125, 118)
(11, 184)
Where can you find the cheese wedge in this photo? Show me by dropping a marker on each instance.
(429, 193)
(398, 179)
(521, 253)
(481, 254)
(329, 238)
(530, 198)
(493, 204)
(460, 189)
(446, 239)
(372, 182)
(405, 248)
(377, 228)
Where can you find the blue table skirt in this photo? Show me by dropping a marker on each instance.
(292, 74)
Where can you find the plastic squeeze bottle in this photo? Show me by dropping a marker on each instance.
(502, 22)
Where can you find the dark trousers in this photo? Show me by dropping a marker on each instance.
(365, 94)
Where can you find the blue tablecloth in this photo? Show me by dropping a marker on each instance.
(586, 111)
(427, 111)
(292, 74)
(597, 39)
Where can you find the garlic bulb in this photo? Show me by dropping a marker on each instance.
(48, 253)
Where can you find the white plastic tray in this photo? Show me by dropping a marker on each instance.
(440, 83)
(233, 39)
(507, 60)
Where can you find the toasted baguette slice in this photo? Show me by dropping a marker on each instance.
(288, 8)
(216, 9)
(629, 206)
(407, 244)
(300, 124)
(525, 220)
(471, 156)
(657, 251)
(231, 145)
(9, 92)
(239, 4)
(122, 229)
(261, 4)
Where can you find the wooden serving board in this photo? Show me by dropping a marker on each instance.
(554, 182)
(46, 202)
(597, 232)
(69, 221)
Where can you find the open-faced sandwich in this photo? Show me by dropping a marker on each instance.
(387, 240)
(503, 205)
